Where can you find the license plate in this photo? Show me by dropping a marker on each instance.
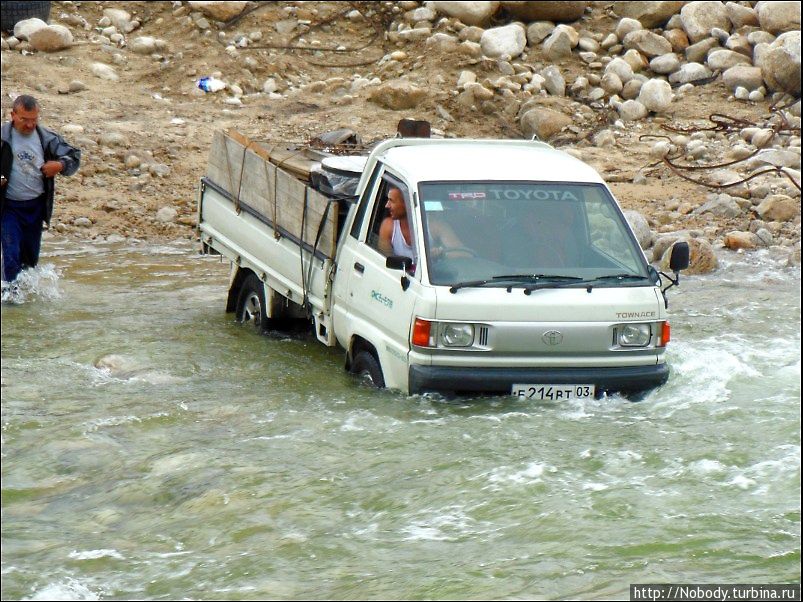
(553, 392)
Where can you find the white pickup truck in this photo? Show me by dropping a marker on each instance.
(521, 274)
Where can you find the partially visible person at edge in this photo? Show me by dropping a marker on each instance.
(30, 158)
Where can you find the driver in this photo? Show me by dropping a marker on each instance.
(542, 235)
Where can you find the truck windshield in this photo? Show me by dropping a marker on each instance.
(507, 232)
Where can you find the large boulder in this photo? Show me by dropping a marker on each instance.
(780, 63)
(397, 95)
(741, 15)
(560, 12)
(219, 11)
(25, 28)
(779, 157)
(104, 71)
(647, 43)
(632, 110)
(537, 32)
(557, 46)
(470, 13)
(543, 123)
(722, 205)
(651, 14)
(720, 60)
(779, 17)
(745, 76)
(621, 68)
(121, 19)
(778, 208)
(554, 82)
(690, 73)
(506, 41)
(51, 38)
(696, 53)
(656, 95)
(738, 240)
(699, 18)
(665, 64)
(146, 45)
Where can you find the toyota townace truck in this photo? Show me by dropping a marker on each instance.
(540, 290)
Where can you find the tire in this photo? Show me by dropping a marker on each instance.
(13, 12)
(366, 365)
(251, 304)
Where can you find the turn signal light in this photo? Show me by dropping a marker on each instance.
(665, 334)
(422, 331)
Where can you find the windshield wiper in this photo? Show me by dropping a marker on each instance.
(589, 283)
(541, 281)
(471, 283)
(526, 277)
(622, 277)
(514, 277)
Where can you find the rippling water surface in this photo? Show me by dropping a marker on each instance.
(154, 449)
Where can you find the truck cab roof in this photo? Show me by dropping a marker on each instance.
(424, 160)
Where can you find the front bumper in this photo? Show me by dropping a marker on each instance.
(628, 379)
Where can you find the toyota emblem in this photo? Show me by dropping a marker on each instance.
(552, 337)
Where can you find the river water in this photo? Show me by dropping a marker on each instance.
(154, 449)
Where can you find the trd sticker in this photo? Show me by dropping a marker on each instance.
(459, 196)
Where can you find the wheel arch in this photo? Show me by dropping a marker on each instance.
(234, 288)
(358, 344)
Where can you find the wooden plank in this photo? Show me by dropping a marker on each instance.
(289, 202)
(328, 240)
(258, 185)
(290, 212)
(225, 165)
(292, 160)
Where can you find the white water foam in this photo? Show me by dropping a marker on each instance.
(41, 281)
(446, 524)
(532, 474)
(95, 554)
(67, 589)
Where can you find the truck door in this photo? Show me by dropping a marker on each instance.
(379, 308)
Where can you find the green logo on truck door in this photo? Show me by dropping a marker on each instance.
(377, 296)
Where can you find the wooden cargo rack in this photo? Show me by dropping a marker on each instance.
(272, 182)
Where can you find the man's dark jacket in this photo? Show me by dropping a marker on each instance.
(55, 149)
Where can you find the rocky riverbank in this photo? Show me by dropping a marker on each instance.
(690, 110)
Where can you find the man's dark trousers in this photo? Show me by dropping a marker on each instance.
(21, 235)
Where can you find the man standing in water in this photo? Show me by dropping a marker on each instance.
(30, 158)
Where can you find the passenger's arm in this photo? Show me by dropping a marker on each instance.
(385, 236)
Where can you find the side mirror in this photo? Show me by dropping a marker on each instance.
(679, 259)
(398, 262)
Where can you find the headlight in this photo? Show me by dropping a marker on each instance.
(434, 334)
(634, 335)
(457, 335)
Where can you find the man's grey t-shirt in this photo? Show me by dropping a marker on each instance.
(26, 181)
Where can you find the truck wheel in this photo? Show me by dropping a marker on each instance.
(366, 365)
(251, 304)
(13, 12)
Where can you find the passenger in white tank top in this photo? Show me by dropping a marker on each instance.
(395, 236)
